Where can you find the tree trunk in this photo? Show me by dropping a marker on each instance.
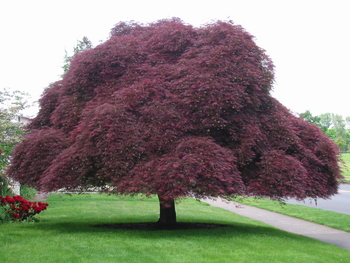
(167, 211)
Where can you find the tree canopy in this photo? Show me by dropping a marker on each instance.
(174, 110)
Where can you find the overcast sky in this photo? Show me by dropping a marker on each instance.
(308, 40)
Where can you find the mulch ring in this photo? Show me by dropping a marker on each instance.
(155, 226)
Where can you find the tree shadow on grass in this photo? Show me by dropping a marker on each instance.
(151, 226)
(184, 229)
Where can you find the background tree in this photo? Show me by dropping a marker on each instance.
(338, 125)
(331, 133)
(316, 120)
(12, 103)
(326, 121)
(347, 122)
(173, 110)
(333, 125)
(82, 45)
(340, 131)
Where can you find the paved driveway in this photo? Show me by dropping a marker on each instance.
(338, 203)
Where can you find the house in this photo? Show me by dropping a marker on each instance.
(23, 119)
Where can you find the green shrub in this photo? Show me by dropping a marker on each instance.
(4, 187)
(27, 192)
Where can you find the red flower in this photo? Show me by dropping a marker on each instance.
(9, 199)
(25, 207)
(37, 210)
(16, 216)
(3, 200)
(20, 208)
(18, 198)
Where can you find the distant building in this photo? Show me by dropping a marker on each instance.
(23, 119)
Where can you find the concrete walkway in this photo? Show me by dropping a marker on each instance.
(40, 197)
(297, 226)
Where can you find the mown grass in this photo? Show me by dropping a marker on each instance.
(346, 168)
(67, 233)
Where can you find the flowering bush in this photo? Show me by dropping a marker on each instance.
(16, 208)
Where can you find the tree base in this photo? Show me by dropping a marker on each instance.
(167, 213)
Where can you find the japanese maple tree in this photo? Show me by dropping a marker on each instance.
(174, 110)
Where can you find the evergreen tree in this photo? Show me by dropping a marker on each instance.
(82, 45)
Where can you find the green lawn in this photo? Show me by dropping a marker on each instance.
(67, 233)
(346, 169)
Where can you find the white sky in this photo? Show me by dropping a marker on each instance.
(308, 40)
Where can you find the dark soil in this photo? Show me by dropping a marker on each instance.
(155, 226)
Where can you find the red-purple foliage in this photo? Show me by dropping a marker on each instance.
(174, 110)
